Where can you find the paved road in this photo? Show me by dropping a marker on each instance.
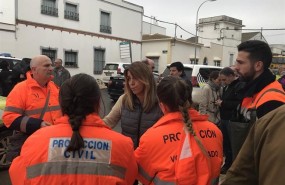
(106, 105)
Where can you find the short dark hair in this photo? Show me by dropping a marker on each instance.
(179, 66)
(214, 75)
(258, 51)
(4, 64)
(227, 71)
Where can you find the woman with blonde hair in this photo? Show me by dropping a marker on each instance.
(138, 107)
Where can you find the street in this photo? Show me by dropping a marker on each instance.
(106, 105)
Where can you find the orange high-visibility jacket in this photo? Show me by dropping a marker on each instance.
(273, 92)
(159, 149)
(26, 102)
(107, 156)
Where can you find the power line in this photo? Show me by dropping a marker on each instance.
(175, 24)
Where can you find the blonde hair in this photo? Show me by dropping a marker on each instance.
(142, 73)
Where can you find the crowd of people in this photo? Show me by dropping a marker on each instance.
(236, 129)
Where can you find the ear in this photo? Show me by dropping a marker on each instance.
(163, 108)
(259, 66)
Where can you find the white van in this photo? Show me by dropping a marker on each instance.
(113, 69)
(198, 75)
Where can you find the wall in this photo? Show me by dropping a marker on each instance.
(150, 29)
(35, 30)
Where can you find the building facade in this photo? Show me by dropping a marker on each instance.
(84, 34)
(221, 34)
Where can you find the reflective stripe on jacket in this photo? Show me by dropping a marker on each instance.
(27, 101)
(107, 156)
(271, 92)
(158, 149)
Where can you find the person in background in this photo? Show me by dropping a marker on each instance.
(182, 147)
(32, 104)
(281, 78)
(60, 74)
(19, 71)
(138, 107)
(258, 162)
(79, 148)
(177, 69)
(149, 63)
(211, 92)
(228, 104)
(5, 79)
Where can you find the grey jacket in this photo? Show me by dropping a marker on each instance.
(133, 123)
(60, 75)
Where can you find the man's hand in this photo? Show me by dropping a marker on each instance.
(45, 124)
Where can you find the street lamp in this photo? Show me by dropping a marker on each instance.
(196, 37)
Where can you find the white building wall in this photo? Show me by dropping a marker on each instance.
(35, 31)
(7, 11)
(150, 29)
(155, 49)
(181, 52)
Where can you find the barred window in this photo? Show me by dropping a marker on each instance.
(51, 53)
(71, 12)
(70, 59)
(49, 7)
(105, 24)
(99, 60)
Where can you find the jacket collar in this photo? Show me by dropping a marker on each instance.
(177, 116)
(91, 120)
(32, 82)
(259, 83)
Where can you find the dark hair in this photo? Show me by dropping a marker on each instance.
(4, 65)
(179, 66)
(227, 71)
(79, 96)
(258, 51)
(214, 75)
(174, 93)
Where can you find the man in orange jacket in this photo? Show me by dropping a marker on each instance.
(79, 148)
(263, 94)
(32, 103)
(183, 147)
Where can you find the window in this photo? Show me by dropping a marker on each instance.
(71, 12)
(99, 60)
(105, 25)
(70, 59)
(49, 7)
(192, 61)
(51, 53)
(231, 59)
(217, 62)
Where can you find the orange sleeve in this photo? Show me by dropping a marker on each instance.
(145, 163)
(14, 105)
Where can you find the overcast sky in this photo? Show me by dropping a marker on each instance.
(255, 14)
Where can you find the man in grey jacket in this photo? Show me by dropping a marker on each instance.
(60, 73)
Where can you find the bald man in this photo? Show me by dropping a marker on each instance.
(149, 63)
(32, 104)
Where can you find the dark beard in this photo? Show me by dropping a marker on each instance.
(249, 77)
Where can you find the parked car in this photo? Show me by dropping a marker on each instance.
(113, 69)
(117, 83)
(11, 60)
(5, 133)
(198, 75)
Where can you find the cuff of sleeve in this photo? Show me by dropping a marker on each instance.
(33, 125)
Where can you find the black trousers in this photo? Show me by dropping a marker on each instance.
(227, 149)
